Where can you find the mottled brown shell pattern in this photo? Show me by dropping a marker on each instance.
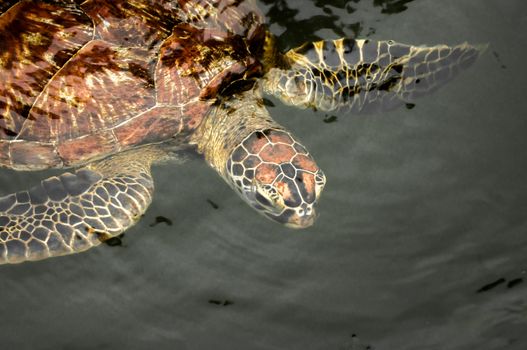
(84, 79)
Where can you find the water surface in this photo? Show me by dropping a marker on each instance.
(420, 244)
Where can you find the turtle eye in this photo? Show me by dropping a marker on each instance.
(320, 181)
(268, 197)
(271, 192)
(262, 199)
(320, 178)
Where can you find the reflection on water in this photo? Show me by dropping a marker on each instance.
(331, 15)
(420, 243)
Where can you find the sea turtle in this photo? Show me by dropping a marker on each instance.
(111, 87)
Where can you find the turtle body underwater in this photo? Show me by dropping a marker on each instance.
(108, 88)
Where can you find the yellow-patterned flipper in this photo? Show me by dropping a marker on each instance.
(76, 211)
(364, 75)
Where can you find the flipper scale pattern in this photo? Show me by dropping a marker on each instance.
(365, 75)
(75, 211)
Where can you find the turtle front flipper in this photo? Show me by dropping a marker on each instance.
(364, 75)
(74, 212)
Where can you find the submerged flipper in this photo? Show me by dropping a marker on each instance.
(365, 75)
(74, 212)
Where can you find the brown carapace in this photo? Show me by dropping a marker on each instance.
(81, 81)
(110, 87)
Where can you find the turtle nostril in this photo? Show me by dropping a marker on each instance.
(305, 210)
(299, 179)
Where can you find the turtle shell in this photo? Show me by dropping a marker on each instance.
(85, 79)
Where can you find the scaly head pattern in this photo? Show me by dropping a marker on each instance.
(276, 175)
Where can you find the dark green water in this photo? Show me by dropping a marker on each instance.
(421, 241)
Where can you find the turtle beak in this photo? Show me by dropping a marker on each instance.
(298, 218)
(298, 222)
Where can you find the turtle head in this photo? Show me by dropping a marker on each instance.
(275, 174)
